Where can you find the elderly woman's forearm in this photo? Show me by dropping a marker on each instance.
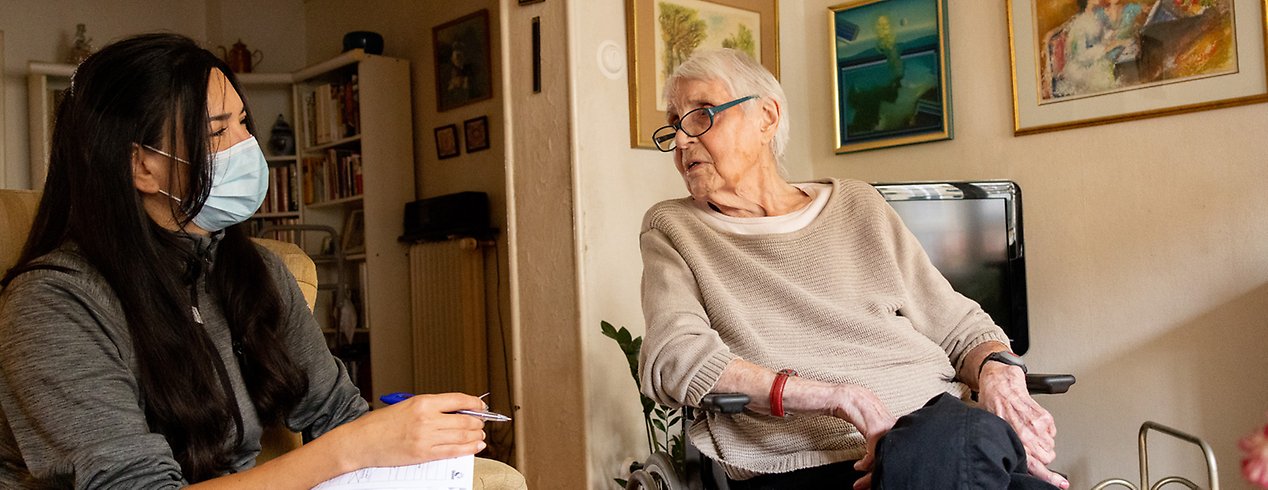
(799, 395)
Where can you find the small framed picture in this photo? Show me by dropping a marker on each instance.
(477, 132)
(447, 142)
(354, 232)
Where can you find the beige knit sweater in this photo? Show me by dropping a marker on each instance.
(850, 298)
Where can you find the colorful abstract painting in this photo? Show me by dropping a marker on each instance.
(1093, 47)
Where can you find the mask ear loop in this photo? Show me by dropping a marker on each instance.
(178, 200)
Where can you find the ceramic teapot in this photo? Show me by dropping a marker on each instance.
(239, 58)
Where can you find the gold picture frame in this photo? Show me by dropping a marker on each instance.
(728, 20)
(1047, 96)
(891, 73)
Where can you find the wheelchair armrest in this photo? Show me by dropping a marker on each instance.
(1049, 384)
(724, 402)
(1043, 384)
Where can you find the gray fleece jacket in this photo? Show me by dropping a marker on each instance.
(73, 415)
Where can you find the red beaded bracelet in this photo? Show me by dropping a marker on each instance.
(777, 391)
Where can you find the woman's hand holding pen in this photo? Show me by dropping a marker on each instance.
(419, 429)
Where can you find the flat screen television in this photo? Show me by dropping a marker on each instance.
(972, 232)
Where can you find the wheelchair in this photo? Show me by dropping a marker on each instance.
(698, 472)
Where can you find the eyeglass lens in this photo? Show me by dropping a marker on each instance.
(693, 124)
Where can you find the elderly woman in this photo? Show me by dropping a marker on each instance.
(815, 300)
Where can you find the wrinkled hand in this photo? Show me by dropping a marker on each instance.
(418, 430)
(862, 409)
(1002, 391)
(1255, 462)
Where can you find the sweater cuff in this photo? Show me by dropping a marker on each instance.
(979, 340)
(707, 376)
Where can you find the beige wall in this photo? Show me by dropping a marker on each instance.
(1148, 246)
(545, 279)
(45, 30)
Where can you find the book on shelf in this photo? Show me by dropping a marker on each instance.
(336, 174)
(281, 196)
(332, 111)
(254, 227)
(363, 276)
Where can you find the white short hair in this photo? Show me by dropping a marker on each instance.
(742, 76)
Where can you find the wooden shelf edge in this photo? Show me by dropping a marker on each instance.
(333, 144)
(66, 70)
(335, 202)
(277, 215)
(322, 68)
(46, 68)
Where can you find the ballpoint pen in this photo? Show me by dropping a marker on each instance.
(487, 416)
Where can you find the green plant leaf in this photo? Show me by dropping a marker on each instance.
(659, 425)
(678, 453)
(619, 482)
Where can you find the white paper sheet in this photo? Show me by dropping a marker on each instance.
(445, 474)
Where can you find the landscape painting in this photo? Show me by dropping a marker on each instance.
(1092, 47)
(662, 34)
(685, 26)
(891, 82)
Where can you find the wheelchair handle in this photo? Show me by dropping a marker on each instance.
(724, 402)
(1049, 384)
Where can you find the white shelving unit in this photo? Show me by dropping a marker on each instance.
(385, 145)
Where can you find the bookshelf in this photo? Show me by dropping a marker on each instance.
(365, 169)
(355, 158)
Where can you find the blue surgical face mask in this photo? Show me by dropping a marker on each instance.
(239, 181)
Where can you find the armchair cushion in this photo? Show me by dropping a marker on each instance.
(299, 263)
(17, 212)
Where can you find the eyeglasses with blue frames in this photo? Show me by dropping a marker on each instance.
(693, 124)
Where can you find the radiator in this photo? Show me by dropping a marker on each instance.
(448, 312)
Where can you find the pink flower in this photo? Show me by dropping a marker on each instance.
(1255, 463)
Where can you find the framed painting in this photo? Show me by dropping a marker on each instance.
(447, 142)
(890, 65)
(477, 133)
(464, 72)
(354, 232)
(661, 34)
(1082, 63)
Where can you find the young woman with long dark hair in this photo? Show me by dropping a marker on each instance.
(146, 339)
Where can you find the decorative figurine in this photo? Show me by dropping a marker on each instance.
(82, 47)
(282, 137)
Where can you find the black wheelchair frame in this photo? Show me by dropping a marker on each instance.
(699, 472)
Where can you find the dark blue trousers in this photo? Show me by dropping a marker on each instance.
(945, 444)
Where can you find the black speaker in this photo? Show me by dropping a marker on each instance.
(464, 214)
